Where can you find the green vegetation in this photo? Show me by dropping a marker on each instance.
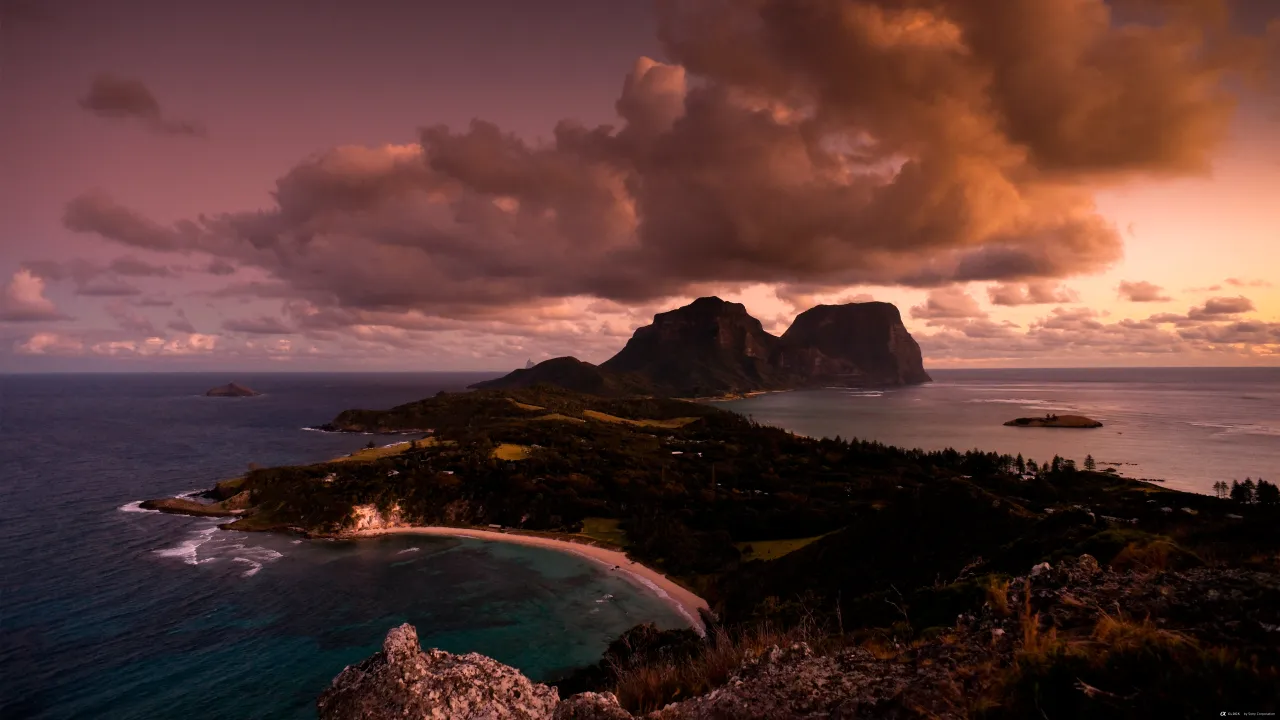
(779, 532)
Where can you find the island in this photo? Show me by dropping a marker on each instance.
(231, 390)
(939, 580)
(1055, 421)
(712, 348)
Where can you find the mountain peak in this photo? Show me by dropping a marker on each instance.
(715, 347)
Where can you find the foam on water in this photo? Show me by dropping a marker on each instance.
(135, 507)
(1238, 428)
(187, 549)
(408, 550)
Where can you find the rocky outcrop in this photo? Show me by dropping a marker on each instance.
(711, 347)
(369, 517)
(1131, 644)
(706, 347)
(853, 344)
(403, 681)
(231, 390)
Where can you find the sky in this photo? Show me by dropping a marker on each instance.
(388, 185)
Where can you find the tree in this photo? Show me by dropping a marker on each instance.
(1069, 465)
(1089, 464)
(1267, 493)
(1056, 465)
(1220, 489)
(1020, 464)
(371, 445)
(1248, 485)
(1032, 467)
(1240, 492)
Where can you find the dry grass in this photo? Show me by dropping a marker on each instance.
(998, 596)
(666, 424)
(509, 451)
(652, 685)
(1122, 634)
(1154, 555)
(1035, 644)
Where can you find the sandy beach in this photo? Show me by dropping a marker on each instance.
(681, 600)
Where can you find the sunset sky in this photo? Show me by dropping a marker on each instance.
(389, 185)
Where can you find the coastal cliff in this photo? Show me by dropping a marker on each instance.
(853, 344)
(711, 347)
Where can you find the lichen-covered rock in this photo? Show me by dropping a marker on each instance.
(591, 706)
(402, 681)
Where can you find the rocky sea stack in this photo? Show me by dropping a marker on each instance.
(231, 390)
(711, 347)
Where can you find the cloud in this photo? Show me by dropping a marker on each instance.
(948, 304)
(130, 320)
(966, 147)
(220, 267)
(1217, 307)
(180, 323)
(48, 343)
(1237, 282)
(95, 212)
(22, 300)
(263, 325)
(111, 96)
(1141, 291)
(131, 266)
(1031, 293)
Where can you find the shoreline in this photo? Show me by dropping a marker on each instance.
(683, 601)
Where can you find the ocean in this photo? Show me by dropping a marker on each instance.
(107, 611)
(1189, 427)
(111, 612)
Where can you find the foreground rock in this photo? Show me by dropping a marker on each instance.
(231, 390)
(1066, 640)
(402, 681)
(1056, 421)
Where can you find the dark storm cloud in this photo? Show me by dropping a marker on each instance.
(1141, 291)
(825, 143)
(112, 96)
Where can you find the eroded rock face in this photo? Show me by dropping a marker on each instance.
(403, 681)
(369, 517)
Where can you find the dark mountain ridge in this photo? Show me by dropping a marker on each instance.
(713, 347)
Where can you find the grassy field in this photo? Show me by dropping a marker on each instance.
(508, 451)
(772, 549)
(668, 424)
(604, 530)
(558, 416)
(374, 453)
(525, 406)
